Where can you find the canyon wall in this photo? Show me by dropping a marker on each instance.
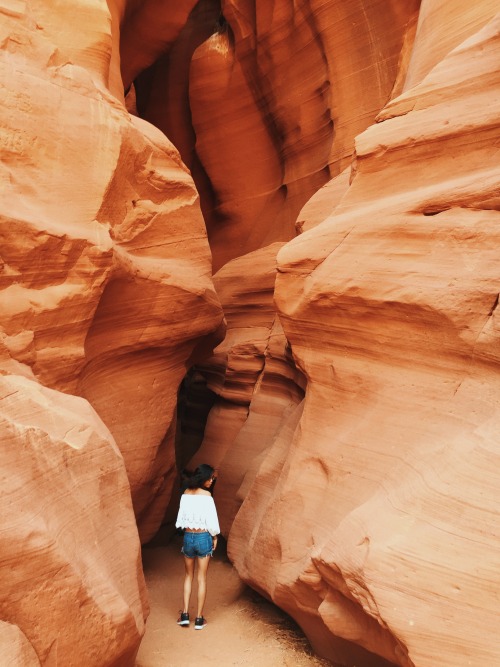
(285, 214)
(263, 100)
(105, 297)
(72, 588)
(257, 386)
(380, 528)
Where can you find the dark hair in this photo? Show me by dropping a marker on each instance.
(197, 478)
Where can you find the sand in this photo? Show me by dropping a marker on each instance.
(243, 628)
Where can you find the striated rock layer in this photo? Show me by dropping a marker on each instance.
(263, 100)
(105, 297)
(390, 306)
(72, 588)
(258, 389)
(106, 286)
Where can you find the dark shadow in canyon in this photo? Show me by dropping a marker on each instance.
(193, 407)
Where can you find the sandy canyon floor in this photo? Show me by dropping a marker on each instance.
(242, 629)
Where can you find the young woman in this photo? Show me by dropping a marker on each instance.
(198, 517)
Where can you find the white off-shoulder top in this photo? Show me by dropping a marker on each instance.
(198, 511)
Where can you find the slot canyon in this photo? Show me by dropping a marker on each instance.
(258, 234)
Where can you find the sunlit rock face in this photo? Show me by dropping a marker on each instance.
(106, 268)
(263, 100)
(72, 588)
(105, 295)
(379, 531)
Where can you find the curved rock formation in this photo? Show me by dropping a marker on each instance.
(16, 649)
(264, 100)
(252, 373)
(72, 588)
(157, 304)
(105, 293)
(390, 308)
(89, 286)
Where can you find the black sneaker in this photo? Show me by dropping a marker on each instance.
(183, 618)
(200, 623)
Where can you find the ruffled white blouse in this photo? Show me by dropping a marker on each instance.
(198, 511)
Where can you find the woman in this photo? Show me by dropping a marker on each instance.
(198, 517)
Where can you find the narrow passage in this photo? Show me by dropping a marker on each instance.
(243, 628)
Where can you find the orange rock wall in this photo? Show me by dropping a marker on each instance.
(264, 104)
(390, 306)
(105, 296)
(354, 422)
(253, 375)
(72, 588)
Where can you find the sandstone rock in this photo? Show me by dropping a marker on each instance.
(323, 202)
(43, 241)
(253, 376)
(72, 590)
(163, 89)
(16, 650)
(148, 29)
(106, 271)
(236, 149)
(443, 26)
(155, 308)
(271, 100)
(390, 308)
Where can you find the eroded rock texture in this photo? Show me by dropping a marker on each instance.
(106, 268)
(352, 405)
(16, 649)
(105, 294)
(72, 588)
(263, 100)
(253, 376)
(390, 306)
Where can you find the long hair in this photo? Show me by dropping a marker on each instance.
(196, 479)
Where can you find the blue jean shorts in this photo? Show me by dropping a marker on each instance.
(197, 545)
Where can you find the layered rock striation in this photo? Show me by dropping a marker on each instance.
(72, 588)
(263, 101)
(105, 297)
(390, 306)
(334, 165)
(256, 385)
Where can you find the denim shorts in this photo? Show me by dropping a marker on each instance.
(197, 545)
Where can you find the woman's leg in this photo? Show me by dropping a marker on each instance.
(203, 564)
(188, 580)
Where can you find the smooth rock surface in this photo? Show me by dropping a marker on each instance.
(264, 100)
(157, 305)
(71, 584)
(106, 272)
(105, 295)
(253, 376)
(390, 308)
(16, 650)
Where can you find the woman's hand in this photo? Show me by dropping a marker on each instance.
(214, 542)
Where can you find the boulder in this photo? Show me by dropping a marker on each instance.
(71, 584)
